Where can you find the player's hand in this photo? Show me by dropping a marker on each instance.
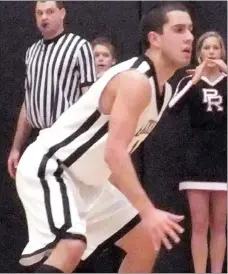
(198, 71)
(13, 160)
(163, 227)
(220, 63)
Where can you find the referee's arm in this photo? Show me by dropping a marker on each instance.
(86, 67)
(22, 133)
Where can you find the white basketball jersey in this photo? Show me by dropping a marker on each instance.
(77, 140)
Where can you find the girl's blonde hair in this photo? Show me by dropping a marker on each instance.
(206, 35)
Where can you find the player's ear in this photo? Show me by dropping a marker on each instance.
(154, 38)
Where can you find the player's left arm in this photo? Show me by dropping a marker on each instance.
(133, 94)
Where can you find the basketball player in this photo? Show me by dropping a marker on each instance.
(205, 94)
(65, 172)
(104, 53)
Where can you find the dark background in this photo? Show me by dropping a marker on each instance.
(158, 160)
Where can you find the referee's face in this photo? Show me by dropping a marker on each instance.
(49, 18)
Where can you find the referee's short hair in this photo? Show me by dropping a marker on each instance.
(59, 4)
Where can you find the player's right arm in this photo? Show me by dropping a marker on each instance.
(133, 94)
(22, 132)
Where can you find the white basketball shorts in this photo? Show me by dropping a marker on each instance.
(58, 208)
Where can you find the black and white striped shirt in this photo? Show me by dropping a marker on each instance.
(56, 72)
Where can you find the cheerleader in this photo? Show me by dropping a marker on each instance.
(205, 94)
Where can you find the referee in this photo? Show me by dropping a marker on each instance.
(59, 69)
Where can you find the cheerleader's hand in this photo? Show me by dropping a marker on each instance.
(197, 72)
(221, 64)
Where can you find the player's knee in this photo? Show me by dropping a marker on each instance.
(73, 248)
(137, 240)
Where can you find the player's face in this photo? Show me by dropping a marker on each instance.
(211, 49)
(49, 18)
(103, 58)
(177, 39)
